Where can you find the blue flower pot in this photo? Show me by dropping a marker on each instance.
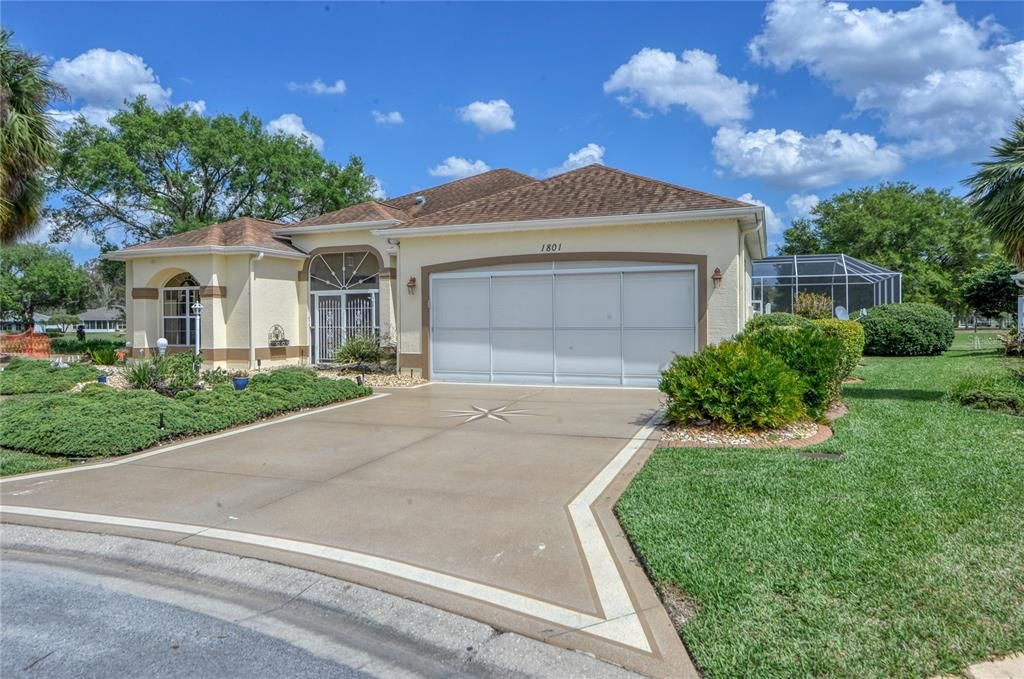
(102, 379)
(240, 383)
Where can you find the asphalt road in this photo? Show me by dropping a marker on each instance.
(73, 620)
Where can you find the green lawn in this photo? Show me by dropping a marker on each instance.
(17, 462)
(906, 558)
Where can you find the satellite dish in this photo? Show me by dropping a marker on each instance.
(842, 314)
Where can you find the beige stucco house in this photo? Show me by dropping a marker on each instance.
(595, 276)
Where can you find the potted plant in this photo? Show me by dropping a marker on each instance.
(240, 379)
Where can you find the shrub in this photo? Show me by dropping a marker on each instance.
(812, 354)
(1002, 392)
(144, 373)
(361, 349)
(181, 370)
(908, 329)
(24, 376)
(103, 355)
(851, 336)
(776, 319)
(74, 346)
(812, 305)
(102, 421)
(215, 376)
(737, 385)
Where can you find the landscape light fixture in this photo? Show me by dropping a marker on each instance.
(196, 309)
(161, 347)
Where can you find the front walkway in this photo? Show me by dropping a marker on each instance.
(488, 501)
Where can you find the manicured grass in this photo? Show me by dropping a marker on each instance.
(102, 421)
(17, 462)
(905, 558)
(23, 376)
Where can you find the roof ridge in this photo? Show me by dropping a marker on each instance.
(656, 181)
(487, 197)
(459, 181)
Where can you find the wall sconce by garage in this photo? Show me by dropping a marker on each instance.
(716, 277)
(411, 285)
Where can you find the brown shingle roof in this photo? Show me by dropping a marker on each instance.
(370, 211)
(244, 231)
(460, 191)
(591, 191)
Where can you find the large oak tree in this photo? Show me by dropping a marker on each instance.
(932, 237)
(153, 173)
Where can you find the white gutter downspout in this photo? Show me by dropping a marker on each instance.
(252, 319)
(742, 269)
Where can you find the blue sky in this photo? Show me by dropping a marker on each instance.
(785, 102)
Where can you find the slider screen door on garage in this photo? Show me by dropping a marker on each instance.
(582, 325)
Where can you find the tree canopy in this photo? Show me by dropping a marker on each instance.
(997, 192)
(930, 236)
(27, 138)
(989, 290)
(35, 277)
(154, 173)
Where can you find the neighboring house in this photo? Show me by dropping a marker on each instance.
(595, 276)
(102, 319)
(40, 324)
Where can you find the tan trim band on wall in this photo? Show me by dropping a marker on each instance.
(145, 293)
(235, 354)
(407, 361)
(213, 291)
(700, 261)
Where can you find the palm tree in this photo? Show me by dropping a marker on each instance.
(997, 192)
(27, 138)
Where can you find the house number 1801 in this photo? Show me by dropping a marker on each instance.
(551, 247)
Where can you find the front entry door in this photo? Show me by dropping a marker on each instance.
(338, 316)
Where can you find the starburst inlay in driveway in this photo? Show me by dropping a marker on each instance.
(478, 413)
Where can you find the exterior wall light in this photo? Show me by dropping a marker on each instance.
(411, 285)
(716, 277)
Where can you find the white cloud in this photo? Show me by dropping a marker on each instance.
(789, 158)
(104, 79)
(799, 205)
(319, 87)
(590, 154)
(377, 191)
(490, 116)
(936, 80)
(390, 118)
(771, 220)
(660, 80)
(197, 106)
(293, 126)
(456, 167)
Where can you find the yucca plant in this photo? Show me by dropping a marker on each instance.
(103, 355)
(144, 374)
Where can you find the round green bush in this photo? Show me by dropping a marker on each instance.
(776, 319)
(812, 354)
(733, 384)
(851, 335)
(908, 329)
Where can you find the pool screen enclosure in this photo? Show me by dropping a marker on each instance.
(850, 283)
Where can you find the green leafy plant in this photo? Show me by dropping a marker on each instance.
(812, 305)
(851, 336)
(74, 346)
(812, 354)
(215, 376)
(103, 355)
(908, 329)
(734, 384)
(144, 373)
(361, 349)
(181, 370)
(776, 319)
(25, 376)
(999, 391)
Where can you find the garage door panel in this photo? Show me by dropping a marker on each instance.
(587, 352)
(462, 351)
(587, 300)
(461, 303)
(521, 302)
(522, 352)
(658, 299)
(648, 352)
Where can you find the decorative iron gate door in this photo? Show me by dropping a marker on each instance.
(339, 316)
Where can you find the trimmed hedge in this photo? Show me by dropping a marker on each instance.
(811, 354)
(776, 319)
(734, 384)
(25, 376)
(102, 421)
(74, 346)
(851, 336)
(908, 329)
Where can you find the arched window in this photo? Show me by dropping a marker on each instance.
(179, 294)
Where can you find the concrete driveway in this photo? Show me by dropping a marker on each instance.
(488, 501)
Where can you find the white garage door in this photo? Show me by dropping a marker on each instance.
(584, 325)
